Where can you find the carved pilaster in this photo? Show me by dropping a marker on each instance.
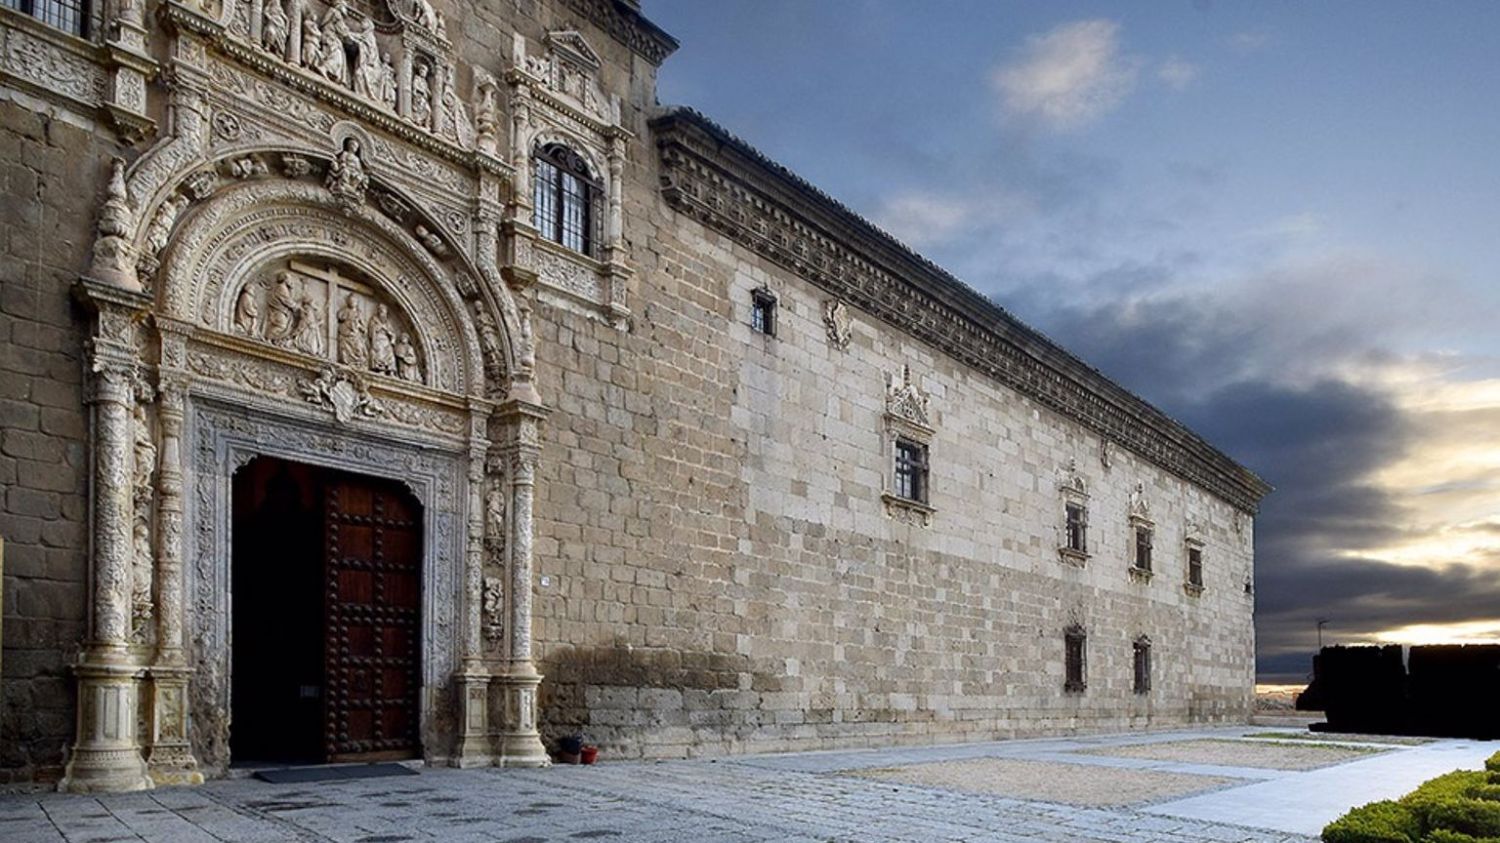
(472, 680)
(131, 67)
(106, 757)
(520, 744)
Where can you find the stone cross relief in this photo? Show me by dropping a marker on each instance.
(362, 332)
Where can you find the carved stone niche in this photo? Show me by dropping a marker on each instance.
(322, 311)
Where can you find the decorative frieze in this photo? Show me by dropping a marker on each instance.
(721, 181)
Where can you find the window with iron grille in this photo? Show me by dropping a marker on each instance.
(1143, 548)
(911, 470)
(564, 198)
(763, 312)
(1195, 566)
(1077, 528)
(67, 15)
(1074, 650)
(1142, 665)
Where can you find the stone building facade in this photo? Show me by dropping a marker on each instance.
(409, 349)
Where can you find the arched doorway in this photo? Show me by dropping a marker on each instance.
(326, 616)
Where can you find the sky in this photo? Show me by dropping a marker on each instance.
(1277, 221)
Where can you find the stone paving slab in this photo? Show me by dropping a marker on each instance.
(1239, 753)
(797, 798)
(1070, 784)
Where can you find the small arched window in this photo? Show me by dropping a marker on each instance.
(565, 198)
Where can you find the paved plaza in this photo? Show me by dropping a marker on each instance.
(863, 795)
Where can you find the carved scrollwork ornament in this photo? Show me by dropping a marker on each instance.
(345, 393)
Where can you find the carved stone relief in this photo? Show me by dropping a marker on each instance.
(322, 312)
(838, 323)
(906, 400)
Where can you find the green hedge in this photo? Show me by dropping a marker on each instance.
(1457, 807)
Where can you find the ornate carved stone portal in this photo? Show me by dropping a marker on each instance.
(274, 278)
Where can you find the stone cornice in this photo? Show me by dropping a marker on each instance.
(623, 20)
(723, 182)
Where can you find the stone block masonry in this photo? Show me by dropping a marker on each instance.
(51, 171)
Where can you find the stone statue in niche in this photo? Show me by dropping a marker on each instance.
(382, 342)
(274, 28)
(247, 311)
(351, 334)
(424, 14)
(333, 62)
(421, 96)
(367, 69)
(347, 179)
(308, 335)
(312, 39)
(456, 121)
(407, 367)
(492, 605)
(281, 310)
(385, 90)
(160, 229)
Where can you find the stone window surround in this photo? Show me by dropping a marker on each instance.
(895, 429)
(1074, 494)
(1141, 662)
(1138, 525)
(764, 307)
(1075, 659)
(1192, 545)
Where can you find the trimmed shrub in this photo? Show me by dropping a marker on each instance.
(1377, 822)
(1489, 790)
(1470, 816)
(1492, 763)
(1443, 835)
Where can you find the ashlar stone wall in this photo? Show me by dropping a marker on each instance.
(718, 572)
(52, 171)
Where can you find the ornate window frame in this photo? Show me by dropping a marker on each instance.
(1140, 651)
(1073, 491)
(1075, 659)
(1140, 522)
(1193, 545)
(557, 97)
(907, 418)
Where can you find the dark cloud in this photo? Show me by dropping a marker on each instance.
(1316, 443)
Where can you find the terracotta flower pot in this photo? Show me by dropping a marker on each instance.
(589, 754)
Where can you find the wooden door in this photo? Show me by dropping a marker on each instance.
(372, 617)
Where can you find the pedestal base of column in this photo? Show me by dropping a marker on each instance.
(169, 756)
(107, 755)
(519, 743)
(475, 748)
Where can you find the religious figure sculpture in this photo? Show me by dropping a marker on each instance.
(347, 178)
(247, 311)
(281, 309)
(351, 335)
(312, 38)
(367, 69)
(274, 28)
(382, 342)
(433, 242)
(386, 89)
(425, 15)
(421, 97)
(456, 121)
(407, 367)
(333, 62)
(310, 327)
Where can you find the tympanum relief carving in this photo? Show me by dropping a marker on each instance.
(321, 311)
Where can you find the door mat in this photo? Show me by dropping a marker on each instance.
(333, 772)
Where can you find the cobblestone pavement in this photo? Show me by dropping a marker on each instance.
(798, 798)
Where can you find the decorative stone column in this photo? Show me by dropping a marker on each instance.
(169, 755)
(519, 743)
(472, 680)
(106, 756)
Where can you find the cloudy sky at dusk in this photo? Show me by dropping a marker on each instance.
(1280, 222)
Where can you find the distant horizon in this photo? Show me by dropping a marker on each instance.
(1275, 223)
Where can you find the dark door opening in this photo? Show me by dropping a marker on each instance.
(326, 615)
